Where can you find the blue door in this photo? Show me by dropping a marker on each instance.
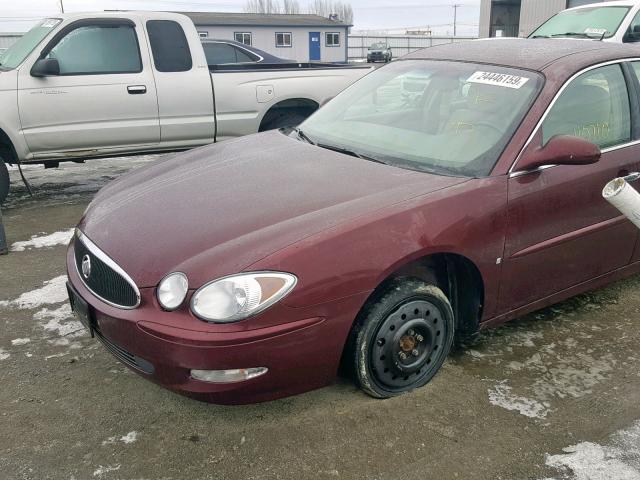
(314, 46)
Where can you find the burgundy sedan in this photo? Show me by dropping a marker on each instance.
(447, 192)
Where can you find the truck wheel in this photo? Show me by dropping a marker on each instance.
(403, 338)
(4, 181)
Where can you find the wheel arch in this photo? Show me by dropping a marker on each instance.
(293, 103)
(7, 146)
(455, 274)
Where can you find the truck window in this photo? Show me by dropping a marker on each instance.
(96, 49)
(169, 46)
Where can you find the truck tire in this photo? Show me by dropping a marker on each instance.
(4, 181)
(402, 338)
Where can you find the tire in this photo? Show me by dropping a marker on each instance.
(402, 338)
(282, 119)
(4, 181)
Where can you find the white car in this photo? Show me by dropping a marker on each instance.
(617, 22)
(80, 86)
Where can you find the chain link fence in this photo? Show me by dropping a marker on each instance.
(400, 44)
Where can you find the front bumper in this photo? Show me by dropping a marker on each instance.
(301, 347)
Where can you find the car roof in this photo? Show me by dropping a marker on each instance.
(530, 53)
(617, 3)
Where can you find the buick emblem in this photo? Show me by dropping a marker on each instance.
(86, 266)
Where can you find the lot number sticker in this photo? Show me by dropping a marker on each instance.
(498, 79)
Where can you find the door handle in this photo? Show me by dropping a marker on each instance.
(630, 177)
(137, 89)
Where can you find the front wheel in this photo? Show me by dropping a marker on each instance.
(403, 338)
(4, 181)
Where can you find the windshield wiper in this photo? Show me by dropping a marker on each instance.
(541, 36)
(352, 153)
(303, 136)
(572, 34)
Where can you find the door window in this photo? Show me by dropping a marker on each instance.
(594, 106)
(95, 49)
(169, 46)
(633, 33)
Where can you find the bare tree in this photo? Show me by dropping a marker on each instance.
(290, 6)
(262, 6)
(326, 8)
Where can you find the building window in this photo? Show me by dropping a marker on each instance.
(203, 34)
(332, 39)
(283, 39)
(243, 37)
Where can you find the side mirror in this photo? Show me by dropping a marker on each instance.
(45, 67)
(562, 150)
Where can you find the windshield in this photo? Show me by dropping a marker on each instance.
(449, 118)
(596, 22)
(17, 52)
(378, 46)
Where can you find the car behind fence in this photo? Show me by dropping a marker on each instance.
(400, 44)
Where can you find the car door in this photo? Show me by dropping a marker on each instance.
(561, 232)
(103, 98)
(185, 89)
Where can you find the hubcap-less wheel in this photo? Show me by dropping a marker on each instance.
(402, 337)
(406, 344)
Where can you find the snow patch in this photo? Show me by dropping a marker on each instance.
(4, 355)
(502, 396)
(52, 291)
(129, 437)
(20, 341)
(100, 471)
(42, 241)
(620, 460)
(60, 321)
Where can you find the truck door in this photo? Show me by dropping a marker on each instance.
(185, 89)
(104, 97)
(314, 46)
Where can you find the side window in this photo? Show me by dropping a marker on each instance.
(595, 106)
(633, 33)
(243, 56)
(169, 46)
(95, 49)
(219, 53)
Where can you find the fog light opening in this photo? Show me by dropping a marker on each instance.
(228, 376)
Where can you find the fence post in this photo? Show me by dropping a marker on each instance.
(3, 237)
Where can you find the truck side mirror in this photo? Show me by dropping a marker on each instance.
(46, 67)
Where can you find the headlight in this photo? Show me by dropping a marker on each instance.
(240, 296)
(172, 290)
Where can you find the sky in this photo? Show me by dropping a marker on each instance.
(374, 15)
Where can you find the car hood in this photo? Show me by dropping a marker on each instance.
(218, 209)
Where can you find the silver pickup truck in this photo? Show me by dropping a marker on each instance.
(80, 86)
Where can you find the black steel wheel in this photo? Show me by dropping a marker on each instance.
(4, 181)
(403, 338)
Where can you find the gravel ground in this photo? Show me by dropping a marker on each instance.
(553, 395)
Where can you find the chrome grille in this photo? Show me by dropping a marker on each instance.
(106, 279)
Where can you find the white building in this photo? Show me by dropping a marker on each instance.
(303, 38)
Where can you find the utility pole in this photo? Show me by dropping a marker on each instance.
(61, 6)
(455, 16)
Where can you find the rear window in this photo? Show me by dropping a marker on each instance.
(169, 46)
